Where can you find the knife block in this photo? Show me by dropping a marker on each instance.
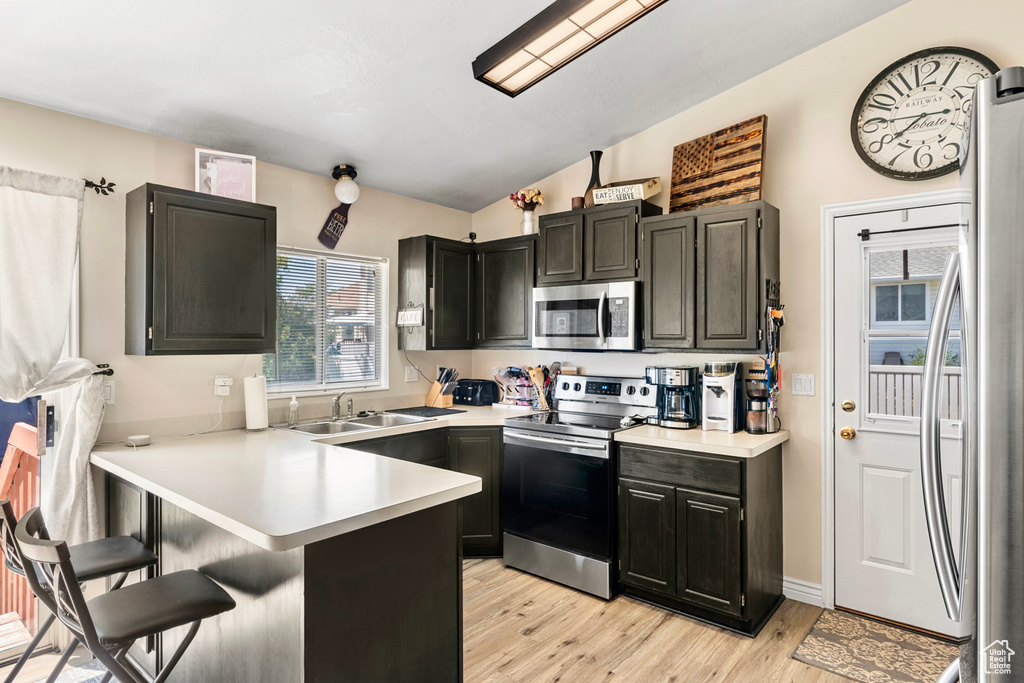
(435, 399)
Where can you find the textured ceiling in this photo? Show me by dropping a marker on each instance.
(387, 85)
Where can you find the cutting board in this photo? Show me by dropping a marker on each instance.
(725, 167)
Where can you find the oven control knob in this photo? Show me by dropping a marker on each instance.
(630, 390)
(565, 386)
(644, 391)
(577, 386)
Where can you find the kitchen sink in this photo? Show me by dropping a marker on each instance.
(388, 420)
(329, 427)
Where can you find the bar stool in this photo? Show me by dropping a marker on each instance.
(111, 623)
(100, 559)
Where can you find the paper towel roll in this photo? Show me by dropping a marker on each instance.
(256, 403)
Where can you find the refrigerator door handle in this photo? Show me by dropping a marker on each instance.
(931, 464)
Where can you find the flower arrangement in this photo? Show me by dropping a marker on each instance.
(528, 199)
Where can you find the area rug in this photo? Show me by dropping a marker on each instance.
(90, 672)
(866, 650)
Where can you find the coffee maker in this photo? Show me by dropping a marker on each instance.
(678, 397)
(723, 397)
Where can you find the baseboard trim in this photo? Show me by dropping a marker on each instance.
(802, 591)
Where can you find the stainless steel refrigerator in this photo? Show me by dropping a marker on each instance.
(982, 581)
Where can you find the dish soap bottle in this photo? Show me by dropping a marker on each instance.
(293, 412)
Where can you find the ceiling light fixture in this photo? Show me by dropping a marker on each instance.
(346, 190)
(559, 34)
(347, 193)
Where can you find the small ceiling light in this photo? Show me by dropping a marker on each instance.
(346, 190)
(559, 34)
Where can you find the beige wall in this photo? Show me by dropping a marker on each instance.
(174, 394)
(810, 162)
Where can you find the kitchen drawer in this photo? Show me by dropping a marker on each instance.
(681, 468)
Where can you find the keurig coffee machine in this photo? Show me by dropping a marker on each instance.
(678, 397)
(723, 397)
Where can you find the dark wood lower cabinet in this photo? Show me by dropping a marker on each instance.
(472, 450)
(477, 451)
(702, 534)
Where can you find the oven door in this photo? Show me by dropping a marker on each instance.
(558, 492)
(585, 317)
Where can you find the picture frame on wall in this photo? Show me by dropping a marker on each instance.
(225, 174)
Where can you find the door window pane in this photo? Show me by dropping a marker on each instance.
(887, 303)
(912, 304)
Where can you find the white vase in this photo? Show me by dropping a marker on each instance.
(529, 224)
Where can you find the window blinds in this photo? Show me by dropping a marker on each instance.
(329, 322)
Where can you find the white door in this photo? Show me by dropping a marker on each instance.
(885, 289)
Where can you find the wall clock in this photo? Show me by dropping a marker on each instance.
(909, 122)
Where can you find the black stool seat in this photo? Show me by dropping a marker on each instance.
(109, 556)
(156, 605)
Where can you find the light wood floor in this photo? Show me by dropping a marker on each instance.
(522, 629)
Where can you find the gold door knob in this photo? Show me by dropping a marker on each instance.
(848, 406)
(848, 433)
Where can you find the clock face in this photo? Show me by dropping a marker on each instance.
(909, 122)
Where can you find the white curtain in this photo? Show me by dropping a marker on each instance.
(40, 221)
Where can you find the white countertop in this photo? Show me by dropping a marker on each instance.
(282, 490)
(737, 445)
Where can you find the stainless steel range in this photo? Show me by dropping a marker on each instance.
(559, 480)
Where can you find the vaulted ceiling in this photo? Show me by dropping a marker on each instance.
(386, 85)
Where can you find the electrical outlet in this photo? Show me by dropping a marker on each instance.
(411, 375)
(222, 385)
(108, 392)
(803, 385)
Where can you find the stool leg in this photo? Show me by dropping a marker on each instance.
(65, 656)
(40, 632)
(124, 671)
(178, 653)
(119, 582)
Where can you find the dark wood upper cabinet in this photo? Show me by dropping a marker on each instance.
(437, 275)
(598, 244)
(647, 535)
(709, 548)
(669, 262)
(200, 274)
(504, 281)
(737, 274)
(560, 249)
(477, 451)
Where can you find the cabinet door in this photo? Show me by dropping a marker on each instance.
(452, 297)
(609, 241)
(709, 550)
(669, 296)
(560, 249)
(647, 535)
(727, 280)
(477, 451)
(214, 275)
(504, 280)
(426, 448)
(133, 512)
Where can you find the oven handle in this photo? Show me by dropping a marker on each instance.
(558, 443)
(601, 302)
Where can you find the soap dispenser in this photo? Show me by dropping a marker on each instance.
(293, 412)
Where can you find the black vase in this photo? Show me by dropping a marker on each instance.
(595, 177)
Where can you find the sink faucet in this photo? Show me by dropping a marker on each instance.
(336, 407)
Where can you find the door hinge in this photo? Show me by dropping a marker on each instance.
(742, 514)
(636, 216)
(150, 332)
(743, 599)
(477, 335)
(151, 208)
(759, 221)
(638, 264)
(760, 334)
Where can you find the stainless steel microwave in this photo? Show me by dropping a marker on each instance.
(597, 317)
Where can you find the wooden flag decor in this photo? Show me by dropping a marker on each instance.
(725, 167)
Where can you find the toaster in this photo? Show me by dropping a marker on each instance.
(475, 392)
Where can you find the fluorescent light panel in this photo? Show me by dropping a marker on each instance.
(556, 36)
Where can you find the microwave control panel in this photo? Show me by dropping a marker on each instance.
(618, 311)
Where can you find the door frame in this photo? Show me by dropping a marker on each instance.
(829, 214)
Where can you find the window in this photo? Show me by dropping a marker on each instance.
(331, 331)
(901, 303)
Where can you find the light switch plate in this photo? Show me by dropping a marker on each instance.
(108, 392)
(803, 385)
(411, 375)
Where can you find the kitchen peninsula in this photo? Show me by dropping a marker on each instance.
(335, 557)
